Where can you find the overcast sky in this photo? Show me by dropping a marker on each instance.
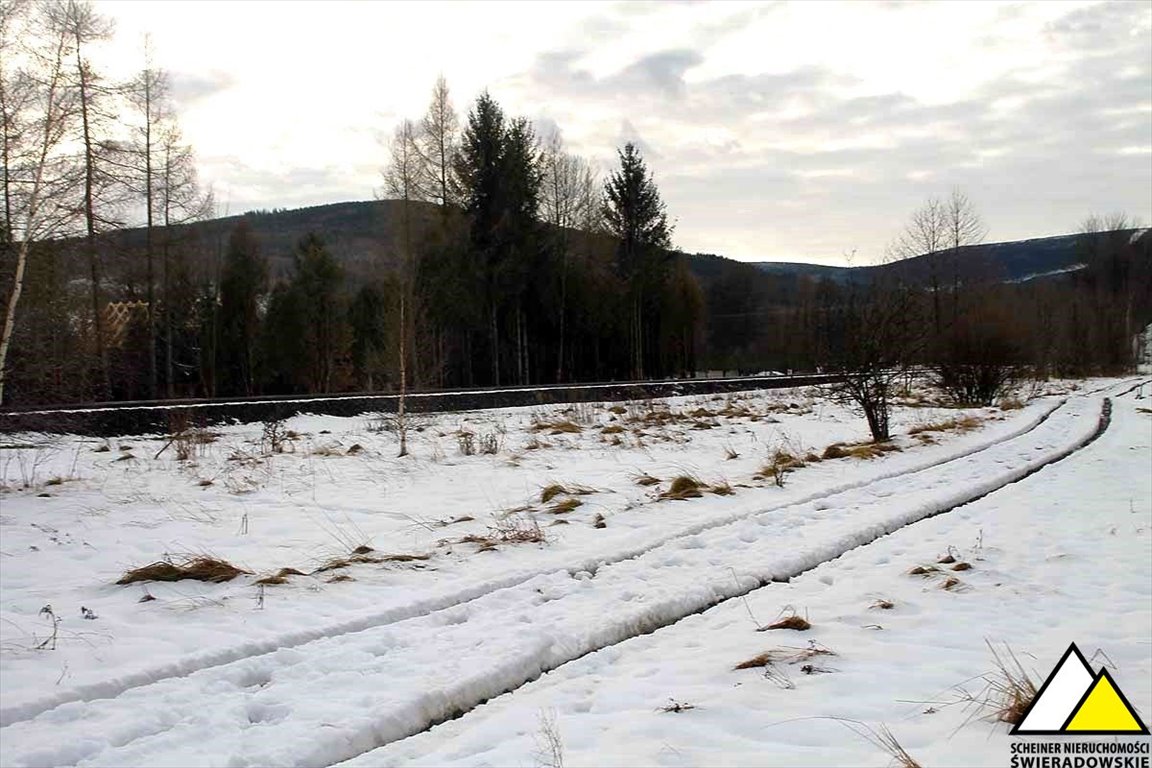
(777, 131)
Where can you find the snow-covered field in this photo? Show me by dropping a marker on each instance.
(343, 658)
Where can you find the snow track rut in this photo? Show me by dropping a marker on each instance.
(344, 694)
(114, 686)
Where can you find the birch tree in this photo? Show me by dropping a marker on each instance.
(402, 180)
(36, 106)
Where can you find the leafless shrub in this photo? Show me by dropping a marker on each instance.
(273, 436)
(49, 643)
(549, 745)
(490, 443)
(518, 528)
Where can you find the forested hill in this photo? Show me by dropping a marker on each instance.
(1012, 261)
(362, 236)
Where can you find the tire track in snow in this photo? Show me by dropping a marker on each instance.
(404, 660)
(1103, 423)
(195, 663)
(199, 662)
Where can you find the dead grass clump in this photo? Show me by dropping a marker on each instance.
(196, 568)
(859, 451)
(612, 429)
(759, 660)
(280, 577)
(950, 583)
(1011, 404)
(334, 564)
(550, 492)
(683, 487)
(883, 604)
(962, 567)
(517, 527)
(646, 480)
(403, 558)
(786, 655)
(723, 488)
(835, 451)
(558, 427)
(960, 424)
(924, 570)
(948, 559)
(618, 410)
(564, 506)
(812, 458)
(1009, 690)
(798, 623)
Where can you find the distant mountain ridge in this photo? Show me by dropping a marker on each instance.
(1013, 261)
(362, 236)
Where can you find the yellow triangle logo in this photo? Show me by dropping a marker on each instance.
(1104, 710)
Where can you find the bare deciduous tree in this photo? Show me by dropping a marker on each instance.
(436, 146)
(36, 106)
(569, 202)
(80, 22)
(402, 180)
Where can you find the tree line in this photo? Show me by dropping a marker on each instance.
(502, 258)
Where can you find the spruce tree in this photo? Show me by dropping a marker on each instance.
(635, 215)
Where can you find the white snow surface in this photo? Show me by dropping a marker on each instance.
(317, 672)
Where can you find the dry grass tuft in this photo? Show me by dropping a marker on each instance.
(962, 567)
(924, 570)
(564, 506)
(798, 623)
(646, 480)
(835, 451)
(786, 655)
(404, 558)
(558, 427)
(950, 583)
(759, 660)
(883, 604)
(948, 559)
(280, 577)
(723, 488)
(550, 492)
(859, 451)
(683, 487)
(1009, 690)
(959, 424)
(612, 429)
(195, 568)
